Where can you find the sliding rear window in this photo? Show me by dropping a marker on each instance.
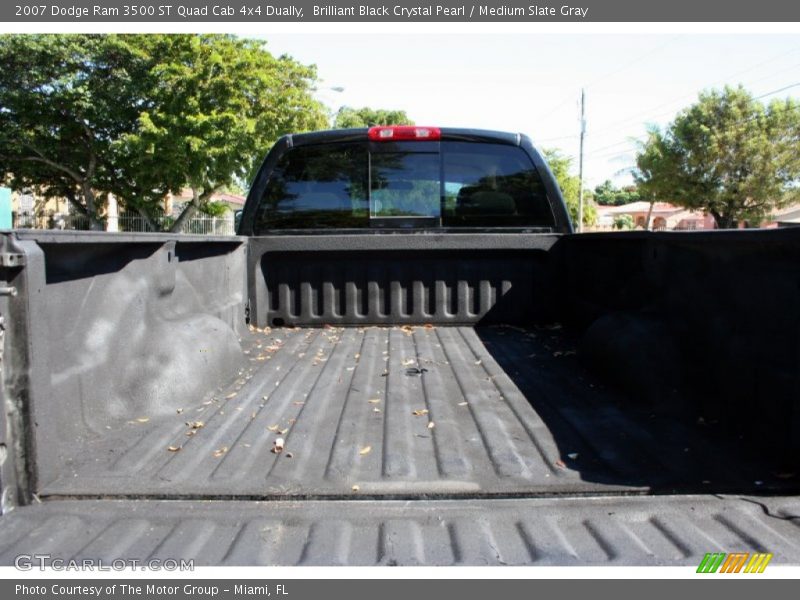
(361, 185)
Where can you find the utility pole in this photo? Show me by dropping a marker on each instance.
(580, 161)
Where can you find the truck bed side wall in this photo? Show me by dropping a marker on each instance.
(119, 328)
(728, 301)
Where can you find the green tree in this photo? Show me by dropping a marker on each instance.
(728, 154)
(570, 185)
(347, 117)
(607, 194)
(143, 115)
(63, 101)
(218, 104)
(624, 222)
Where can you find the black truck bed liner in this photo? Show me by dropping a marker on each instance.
(408, 412)
(666, 530)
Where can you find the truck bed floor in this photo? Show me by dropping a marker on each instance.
(400, 412)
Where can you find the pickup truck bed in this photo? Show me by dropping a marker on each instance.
(403, 412)
(442, 398)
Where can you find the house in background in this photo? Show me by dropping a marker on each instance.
(663, 216)
(788, 216)
(34, 212)
(175, 203)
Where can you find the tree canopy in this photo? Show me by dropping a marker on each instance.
(607, 194)
(728, 154)
(570, 185)
(139, 116)
(347, 117)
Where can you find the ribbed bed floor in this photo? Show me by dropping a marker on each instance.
(406, 412)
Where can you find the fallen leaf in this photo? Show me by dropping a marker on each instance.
(283, 431)
(431, 425)
(196, 424)
(179, 411)
(273, 427)
(231, 395)
(142, 419)
(365, 450)
(174, 448)
(420, 412)
(220, 451)
(191, 432)
(377, 410)
(355, 488)
(463, 403)
(408, 362)
(298, 403)
(560, 464)
(374, 401)
(277, 446)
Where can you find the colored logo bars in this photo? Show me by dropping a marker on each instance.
(735, 562)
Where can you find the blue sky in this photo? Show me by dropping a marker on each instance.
(531, 82)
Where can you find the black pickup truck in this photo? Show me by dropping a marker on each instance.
(405, 357)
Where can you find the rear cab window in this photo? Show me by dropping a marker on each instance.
(404, 185)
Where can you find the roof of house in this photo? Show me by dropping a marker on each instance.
(186, 195)
(640, 206)
(789, 213)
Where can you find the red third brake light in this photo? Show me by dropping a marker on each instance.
(394, 133)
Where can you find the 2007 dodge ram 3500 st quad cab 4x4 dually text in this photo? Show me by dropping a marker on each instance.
(405, 357)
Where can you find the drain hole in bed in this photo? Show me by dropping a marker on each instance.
(278, 322)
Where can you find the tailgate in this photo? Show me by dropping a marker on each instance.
(667, 530)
